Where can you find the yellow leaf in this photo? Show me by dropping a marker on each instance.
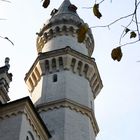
(133, 34)
(116, 54)
(81, 33)
(46, 3)
(96, 11)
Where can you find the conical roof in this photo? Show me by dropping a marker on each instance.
(66, 11)
(64, 8)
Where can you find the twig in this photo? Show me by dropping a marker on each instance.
(3, 19)
(113, 21)
(7, 39)
(125, 28)
(129, 43)
(6, 1)
(136, 19)
(101, 1)
(87, 7)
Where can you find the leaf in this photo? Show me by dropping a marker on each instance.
(46, 3)
(133, 34)
(116, 54)
(81, 33)
(96, 11)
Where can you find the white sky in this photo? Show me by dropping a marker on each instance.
(118, 104)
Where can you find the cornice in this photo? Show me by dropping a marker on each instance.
(66, 103)
(64, 59)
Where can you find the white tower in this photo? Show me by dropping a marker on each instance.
(64, 79)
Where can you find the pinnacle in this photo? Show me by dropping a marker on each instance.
(64, 8)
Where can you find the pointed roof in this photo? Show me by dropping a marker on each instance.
(64, 8)
(66, 11)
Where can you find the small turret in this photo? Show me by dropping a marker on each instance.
(5, 79)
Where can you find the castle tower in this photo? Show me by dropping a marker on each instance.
(5, 79)
(64, 79)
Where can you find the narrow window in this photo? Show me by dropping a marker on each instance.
(27, 138)
(55, 78)
(0, 102)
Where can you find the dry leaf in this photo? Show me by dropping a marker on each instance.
(96, 11)
(133, 34)
(46, 3)
(81, 33)
(116, 54)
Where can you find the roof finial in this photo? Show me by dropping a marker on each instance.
(7, 59)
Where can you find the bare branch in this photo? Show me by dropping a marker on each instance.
(87, 7)
(6, 1)
(129, 43)
(3, 19)
(125, 28)
(108, 25)
(7, 39)
(101, 1)
(136, 19)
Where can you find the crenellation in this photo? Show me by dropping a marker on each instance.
(73, 62)
(37, 74)
(30, 84)
(34, 79)
(61, 30)
(56, 63)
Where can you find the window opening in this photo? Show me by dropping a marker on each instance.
(55, 78)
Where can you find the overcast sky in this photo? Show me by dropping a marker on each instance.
(117, 107)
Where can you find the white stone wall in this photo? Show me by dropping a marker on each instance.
(66, 124)
(27, 130)
(10, 128)
(68, 86)
(59, 42)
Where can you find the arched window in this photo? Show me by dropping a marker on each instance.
(86, 67)
(47, 66)
(79, 66)
(54, 64)
(29, 136)
(73, 64)
(60, 62)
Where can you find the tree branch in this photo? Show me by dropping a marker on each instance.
(6, 1)
(108, 25)
(7, 39)
(129, 43)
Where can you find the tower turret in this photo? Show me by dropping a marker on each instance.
(5, 79)
(64, 79)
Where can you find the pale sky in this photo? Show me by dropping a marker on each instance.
(117, 107)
